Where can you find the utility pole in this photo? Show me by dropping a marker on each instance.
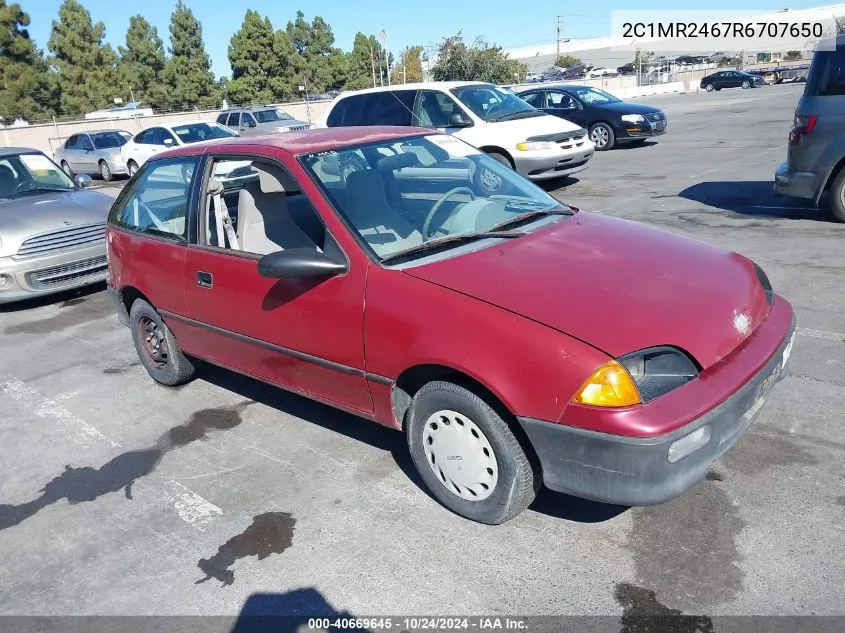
(557, 39)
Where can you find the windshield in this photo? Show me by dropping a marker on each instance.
(31, 172)
(493, 104)
(423, 191)
(109, 140)
(593, 96)
(265, 116)
(196, 132)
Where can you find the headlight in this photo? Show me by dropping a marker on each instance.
(767, 285)
(528, 146)
(636, 378)
(633, 118)
(282, 129)
(114, 157)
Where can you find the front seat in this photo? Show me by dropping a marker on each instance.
(7, 181)
(382, 226)
(264, 222)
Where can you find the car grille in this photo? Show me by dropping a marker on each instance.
(655, 117)
(573, 142)
(295, 128)
(62, 240)
(94, 267)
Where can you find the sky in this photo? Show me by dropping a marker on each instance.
(405, 23)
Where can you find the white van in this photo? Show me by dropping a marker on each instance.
(491, 119)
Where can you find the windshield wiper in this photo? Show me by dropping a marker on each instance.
(451, 240)
(519, 114)
(524, 218)
(41, 190)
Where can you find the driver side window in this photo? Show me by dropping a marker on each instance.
(433, 109)
(561, 101)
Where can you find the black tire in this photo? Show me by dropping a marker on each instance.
(746, 84)
(490, 181)
(132, 168)
(709, 87)
(837, 193)
(176, 369)
(518, 480)
(66, 168)
(605, 131)
(105, 171)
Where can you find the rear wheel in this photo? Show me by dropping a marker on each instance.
(837, 196)
(105, 171)
(468, 456)
(746, 84)
(157, 347)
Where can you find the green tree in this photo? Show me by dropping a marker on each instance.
(642, 58)
(793, 55)
(360, 65)
(187, 73)
(322, 65)
(567, 61)
(252, 56)
(409, 69)
(142, 62)
(480, 62)
(87, 77)
(28, 89)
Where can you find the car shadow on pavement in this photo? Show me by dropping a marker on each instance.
(59, 298)
(755, 198)
(637, 145)
(290, 612)
(547, 502)
(560, 182)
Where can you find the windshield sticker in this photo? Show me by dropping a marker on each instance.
(38, 163)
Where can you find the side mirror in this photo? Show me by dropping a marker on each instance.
(458, 120)
(168, 142)
(82, 181)
(299, 262)
(250, 124)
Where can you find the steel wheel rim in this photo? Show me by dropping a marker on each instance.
(460, 455)
(105, 172)
(153, 341)
(599, 136)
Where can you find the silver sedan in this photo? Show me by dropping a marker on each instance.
(51, 228)
(96, 152)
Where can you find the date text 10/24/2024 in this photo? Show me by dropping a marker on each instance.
(419, 624)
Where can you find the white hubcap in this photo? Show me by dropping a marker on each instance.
(460, 456)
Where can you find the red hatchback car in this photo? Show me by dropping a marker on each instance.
(515, 340)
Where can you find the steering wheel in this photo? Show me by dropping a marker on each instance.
(426, 225)
(25, 186)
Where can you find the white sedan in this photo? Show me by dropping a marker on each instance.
(156, 139)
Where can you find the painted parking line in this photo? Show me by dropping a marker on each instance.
(830, 336)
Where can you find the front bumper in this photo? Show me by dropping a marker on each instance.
(117, 167)
(636, 471)
(116, 301)
(542, 165)
(22, 279)
(646, 129)
(796, 184)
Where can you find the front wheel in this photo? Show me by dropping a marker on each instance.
(66, 168)
(490, 181)
(709, 87)
(468, 456)
(132, 166)
(746, 84)
(105, 172)
(837, 196)
(157, 347)
(602, 136)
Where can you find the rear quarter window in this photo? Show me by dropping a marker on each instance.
(827, 74)
(376, 108)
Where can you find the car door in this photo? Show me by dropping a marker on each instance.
(567, 106)
(70, 151)
(304, 334)
(87, 159)
(248, 125)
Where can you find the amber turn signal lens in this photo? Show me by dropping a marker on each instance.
(610, 386)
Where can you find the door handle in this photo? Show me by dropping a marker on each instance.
(204, 280)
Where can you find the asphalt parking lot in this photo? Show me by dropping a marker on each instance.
(119, 496)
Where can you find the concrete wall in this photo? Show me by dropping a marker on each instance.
(46, 137)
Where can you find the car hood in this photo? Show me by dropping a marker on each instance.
(626, 107)
(517, 130)
(23, 217)
(617, 285)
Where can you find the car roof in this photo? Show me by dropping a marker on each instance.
(103, 131)
(9, 151)
(305, 141)
(442, 85)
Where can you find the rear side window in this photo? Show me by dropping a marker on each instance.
(234, 119)
(158, 201)
(222, 119)
(375, 108)
(827, 74)
(71, 142)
